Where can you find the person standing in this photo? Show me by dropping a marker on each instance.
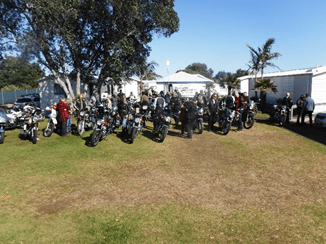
(287, 101)
(212, 112)
(239, 103)
(300, 106)
(70, 112)
(308, 108)
(191, 109)
(64, 115)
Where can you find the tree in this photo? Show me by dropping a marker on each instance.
(265, 86)
(262, 57)
(230, 81)
(147, 72)
(199, 68)
(106, 38)
(19, 73)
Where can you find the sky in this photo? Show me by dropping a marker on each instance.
(216, 32)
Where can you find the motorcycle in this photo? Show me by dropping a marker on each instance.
(134, 125)
(199, 119)
(163, 121)
(278, 114)
(249, 115)
(225, 118)
(3, 124)
(14, 114)
(106, 123)
(86, 119)
(52, 122)
(145, 111)
(30, 125)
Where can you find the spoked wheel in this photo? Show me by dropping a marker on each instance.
(49, 130)
(134, 134)
(95, 138)
(80, 128)
(2, 137)
(164, 133)
(249, 122)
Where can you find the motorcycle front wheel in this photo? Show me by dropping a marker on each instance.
(49, 130)
(80, 127)
(95, 138)
(34, 139)
(134, 133)
(226, 128)
(282, 120)
(2, 137)
(164, 133)
(249, 122)
(200, 126)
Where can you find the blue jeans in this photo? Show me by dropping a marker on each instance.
(124, 122)
(69, 121)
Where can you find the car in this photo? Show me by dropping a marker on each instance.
(24, 100)
(320, 119)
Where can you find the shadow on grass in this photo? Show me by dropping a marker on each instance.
(314, 133)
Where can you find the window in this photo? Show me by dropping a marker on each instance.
(58, 90)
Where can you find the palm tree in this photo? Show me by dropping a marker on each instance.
(230, 81)
(146, 72)
(265, 86)
(254, 64)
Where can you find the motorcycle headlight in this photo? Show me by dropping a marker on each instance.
(82, 113)
(100, 121)
(137, 120)
(29, 121)
(167, 119)
(145, 107)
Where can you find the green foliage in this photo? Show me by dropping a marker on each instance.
(17, 73)
(199, 68)
(107, 38)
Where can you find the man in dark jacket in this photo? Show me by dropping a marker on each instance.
(300, 105)
(191, 109)
(212, 112)
(239, 103)
(287, 101)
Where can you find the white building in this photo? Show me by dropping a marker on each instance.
(187, 84)
(296, 82)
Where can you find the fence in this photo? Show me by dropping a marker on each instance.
(11, 96)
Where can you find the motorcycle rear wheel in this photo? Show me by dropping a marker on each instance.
(200, 127)
(164, 133)
(95, 138)
(35, 134)
(134, 133)
(249, 122)
(2, 137)
(48, 131)
(80, 128)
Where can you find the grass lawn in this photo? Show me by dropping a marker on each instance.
(264, 185)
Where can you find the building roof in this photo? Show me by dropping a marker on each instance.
(185, 77)
(310, 71)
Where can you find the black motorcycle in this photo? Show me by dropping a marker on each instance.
(3, 124)
(278, 114)
(225, 118)
(249, 115)
(199, 120)
(30, 125)
(162, 123)
(106, 123)
(135, 124)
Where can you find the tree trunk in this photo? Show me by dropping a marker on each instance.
(78, 82)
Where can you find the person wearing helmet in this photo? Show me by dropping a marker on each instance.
(287, 101)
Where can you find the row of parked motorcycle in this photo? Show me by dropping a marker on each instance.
(104, 121)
